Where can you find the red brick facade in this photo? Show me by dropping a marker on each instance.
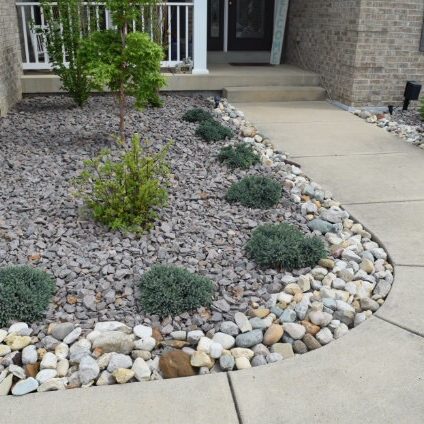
(365, 50)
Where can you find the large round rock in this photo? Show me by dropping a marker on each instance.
(249, 339)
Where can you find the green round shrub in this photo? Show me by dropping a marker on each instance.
(255, 192)
(197, 115)
(25, 294)
(240, 156)
(169, 290)
(284, 246)
(213, 131)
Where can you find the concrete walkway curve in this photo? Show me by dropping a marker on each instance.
(375, 374)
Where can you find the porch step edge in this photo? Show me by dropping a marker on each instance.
(274, 93)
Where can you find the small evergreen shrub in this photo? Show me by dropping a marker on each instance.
(284, 246)
(25, 294)
(255, 192)
(169, 290)
(197, 115)
(422, 109)
(212, 130)
(124, 194)
(240, 156)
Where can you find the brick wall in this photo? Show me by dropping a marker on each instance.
(365, 50)
(388, 52)
(322, 36)
(10, 56)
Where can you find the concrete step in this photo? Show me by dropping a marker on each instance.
(277, 93)
(220, 76)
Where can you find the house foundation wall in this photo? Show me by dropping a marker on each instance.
(10, 57)
(364, 50)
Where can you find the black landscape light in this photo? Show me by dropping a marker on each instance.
(412, 92)
(391, 109)
(217, 100)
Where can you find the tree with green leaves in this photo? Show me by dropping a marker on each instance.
(128, 63)
(63, 32)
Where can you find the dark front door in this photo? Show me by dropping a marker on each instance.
(250, 24)
(216, 24)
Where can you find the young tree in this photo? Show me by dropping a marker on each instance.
(126, 62)
(63, 31)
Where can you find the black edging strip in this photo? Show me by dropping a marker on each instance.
(230, 383)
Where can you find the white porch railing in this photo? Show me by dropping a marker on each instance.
(173, 26)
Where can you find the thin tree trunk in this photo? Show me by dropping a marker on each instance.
(122, 112)
(122, 97)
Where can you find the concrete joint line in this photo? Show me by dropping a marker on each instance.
(234, 399)
(409, 265)
(382, 202)
(347, 155)
(398, 325)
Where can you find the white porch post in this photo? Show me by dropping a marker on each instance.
(200, 37)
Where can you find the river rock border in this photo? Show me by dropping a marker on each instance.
(313, 309)
(407, 125)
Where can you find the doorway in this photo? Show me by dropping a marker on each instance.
(240, 25)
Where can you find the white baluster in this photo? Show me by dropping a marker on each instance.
(200, 25)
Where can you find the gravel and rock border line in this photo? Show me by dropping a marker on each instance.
(94, 334)
(407, 125)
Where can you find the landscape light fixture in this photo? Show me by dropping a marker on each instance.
(217, 100)
(412, 92)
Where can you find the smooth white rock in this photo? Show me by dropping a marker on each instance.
(61, 351)
(215, 350)
(204, 344)
(225, 340)
(88, 369)
(18, 327)
(72, 336)
(112, 326)
(141, 370)
(17, 371)
(29, 355)
(118, 360)
(62, 367)
(148, 344)
(324, 336)
(45, 375)
(25, 386)
(49, 361)
(143, 331)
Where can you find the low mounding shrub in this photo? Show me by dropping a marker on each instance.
(255, 192)
(422, 110)
(240, 156)
(197, 115)
(169, 290)
(25, 294)
(284, 246)
(212, 130)
(124, 193)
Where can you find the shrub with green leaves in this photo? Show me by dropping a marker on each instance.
(284, 246)
(212, 130)
(63, 32)
(169, 290)
(127, 62)
(256, 192)
(197, 115)
(25, 294)
(240, 156)
(422, 109)
(124, 193)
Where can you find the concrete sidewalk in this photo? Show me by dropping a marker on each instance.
(375, 374)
